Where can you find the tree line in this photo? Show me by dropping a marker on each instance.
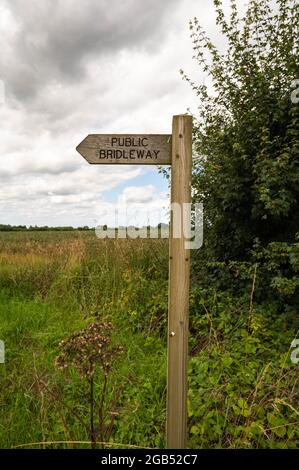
(44, 228)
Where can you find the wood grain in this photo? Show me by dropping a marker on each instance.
(126, 149)
(179, 270)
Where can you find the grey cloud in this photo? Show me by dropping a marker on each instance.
(63, 169)
(77, 67)
(55, 39)
(32, 168)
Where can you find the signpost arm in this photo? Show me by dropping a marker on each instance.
(179, 270)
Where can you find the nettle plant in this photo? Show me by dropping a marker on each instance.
(91, 353)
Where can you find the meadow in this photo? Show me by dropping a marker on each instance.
(243, 388)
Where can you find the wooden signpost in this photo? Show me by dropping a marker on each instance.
(132, 149)
(174, 150)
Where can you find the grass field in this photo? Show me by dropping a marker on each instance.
(243, 389)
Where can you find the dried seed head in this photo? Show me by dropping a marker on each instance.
(87, 348)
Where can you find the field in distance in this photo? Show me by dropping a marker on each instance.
(55, 283)
(242, 385)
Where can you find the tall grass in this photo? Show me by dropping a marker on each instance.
(52, 284)
(243, 388)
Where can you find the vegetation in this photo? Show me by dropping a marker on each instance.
(55, 285)
(60, 290)
(247, 174)
(246, 139)
(35, 228)
(87, 351)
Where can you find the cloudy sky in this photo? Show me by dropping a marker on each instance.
(71, 68)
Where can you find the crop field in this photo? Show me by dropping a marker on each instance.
(243, 389)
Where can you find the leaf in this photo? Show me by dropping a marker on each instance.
(280, 431)
(195, 430)
(227, 361)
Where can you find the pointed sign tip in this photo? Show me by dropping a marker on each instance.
(134, 149)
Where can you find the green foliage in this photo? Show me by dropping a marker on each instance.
(246, 136)
(53, 284)
(241, 381)
(92, 355)
(244, 287)
(35, 228)
(245, 296)
(231, 344)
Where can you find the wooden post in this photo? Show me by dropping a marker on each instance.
(179, 270)
(146, 149)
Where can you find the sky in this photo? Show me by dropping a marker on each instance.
(69, 68)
